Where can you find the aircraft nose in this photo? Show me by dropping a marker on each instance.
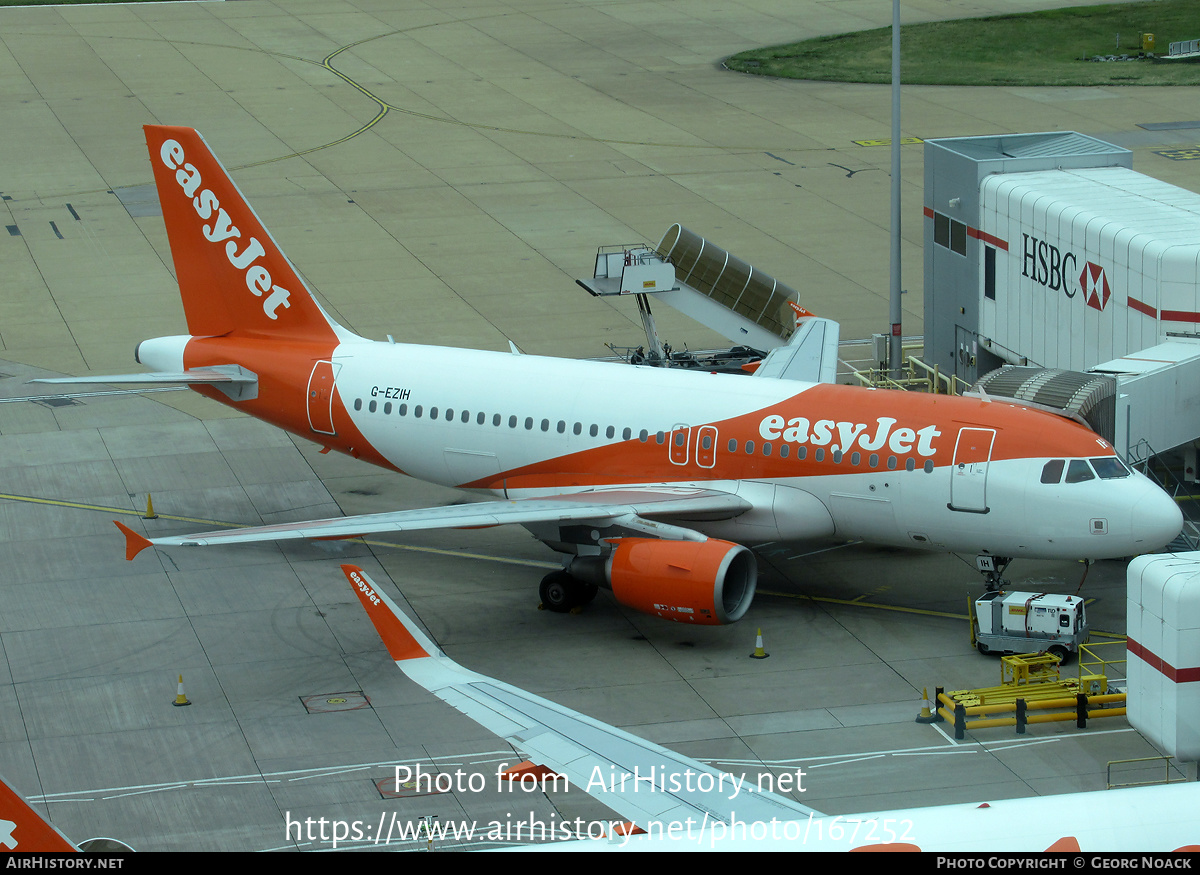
(1157, 520)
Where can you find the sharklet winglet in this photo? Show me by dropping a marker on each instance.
(134, 542)
(402, 640)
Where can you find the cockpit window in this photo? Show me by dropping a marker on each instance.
(1078, 471)
(1052, 473)
(1109, 468)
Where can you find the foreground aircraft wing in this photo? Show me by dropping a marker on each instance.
(642, 781)
(597, 505)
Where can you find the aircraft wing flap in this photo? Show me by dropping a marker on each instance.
(479, 709)
(643, 782)
(596, 505)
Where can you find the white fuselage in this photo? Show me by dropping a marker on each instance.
(814, 460)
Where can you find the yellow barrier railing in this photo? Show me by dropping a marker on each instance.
(931, 380)
(1089, 658)
(1166, 778)
(1079, 708)
(953, 384)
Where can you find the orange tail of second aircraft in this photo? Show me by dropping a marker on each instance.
(232, 275)
(22, 829)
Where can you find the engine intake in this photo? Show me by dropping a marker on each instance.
(706, 583)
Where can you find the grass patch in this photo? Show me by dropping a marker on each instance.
(1040, 48)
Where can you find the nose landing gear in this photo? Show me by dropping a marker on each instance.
(991, 567)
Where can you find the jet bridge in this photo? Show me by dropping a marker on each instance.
(1087, 398)
(701, 280)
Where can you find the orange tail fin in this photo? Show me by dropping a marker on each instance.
(22, 829)
(232, 275)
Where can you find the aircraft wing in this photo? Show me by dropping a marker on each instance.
(642, 781)
(598, 505)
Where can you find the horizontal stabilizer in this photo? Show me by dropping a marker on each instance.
(216, 374)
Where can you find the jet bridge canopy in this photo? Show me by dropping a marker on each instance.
(1086, 398)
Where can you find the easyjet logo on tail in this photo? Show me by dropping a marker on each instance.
(844, 435)
(222, 230)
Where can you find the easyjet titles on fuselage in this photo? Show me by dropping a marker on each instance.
(822, 432)
(258, 278)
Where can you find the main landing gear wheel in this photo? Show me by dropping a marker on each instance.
(560, 592)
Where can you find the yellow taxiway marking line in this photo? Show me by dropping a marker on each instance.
(858, 603)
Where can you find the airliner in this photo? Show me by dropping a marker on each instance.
(651, 482)
(670, 802)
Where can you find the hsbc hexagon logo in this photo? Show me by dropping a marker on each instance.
(1094, 282)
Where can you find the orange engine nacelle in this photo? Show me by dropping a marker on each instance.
(708, 583)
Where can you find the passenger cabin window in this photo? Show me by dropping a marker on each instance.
(1052, 472)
